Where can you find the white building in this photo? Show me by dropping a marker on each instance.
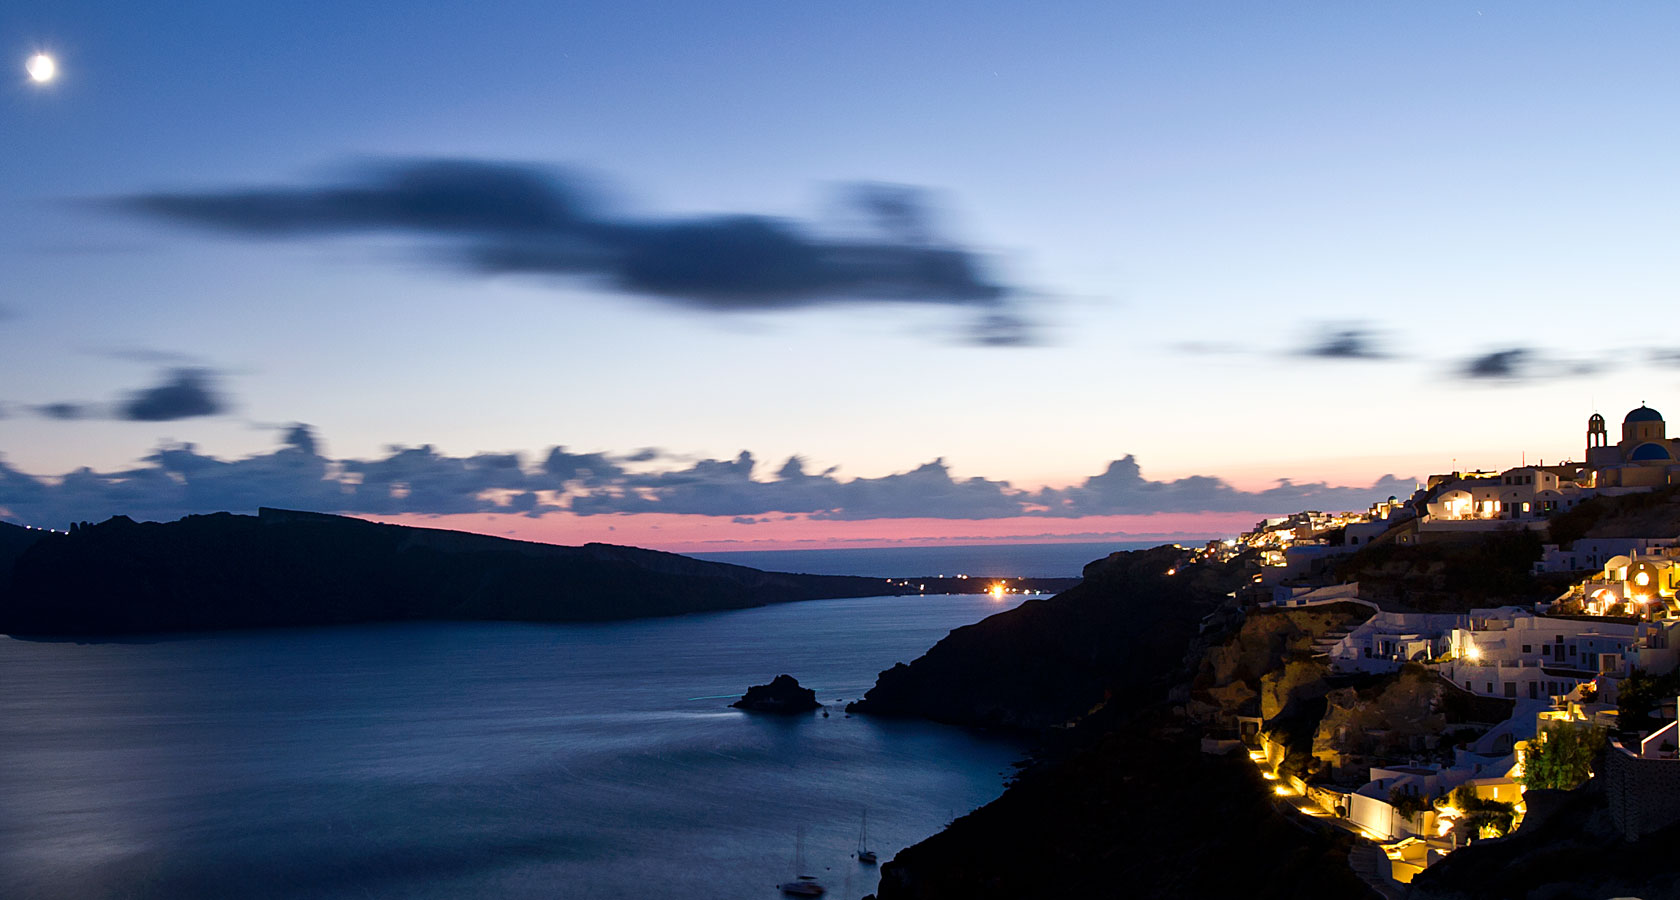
(1594, 553)
(1388, 640)
(1511, 652)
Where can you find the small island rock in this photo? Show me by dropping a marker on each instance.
(782, 695)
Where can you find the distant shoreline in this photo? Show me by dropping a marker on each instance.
(1035, 560)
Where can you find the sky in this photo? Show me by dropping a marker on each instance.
(715, 275)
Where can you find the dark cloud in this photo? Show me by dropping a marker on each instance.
(1498, 364)
(585, 468)
(1517, 364)
(184, 394)
(299, 436)
(65, 412)
(1346, 342)
(507, 217)
(177, 480)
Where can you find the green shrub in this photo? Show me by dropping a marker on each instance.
(1562, 756)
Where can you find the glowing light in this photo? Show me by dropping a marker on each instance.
(1471, 653)
(1282, 791)
(1642, 579)
(41, 68)
(996, 592)
(1269, 776)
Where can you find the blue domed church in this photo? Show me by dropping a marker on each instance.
(1644, 457)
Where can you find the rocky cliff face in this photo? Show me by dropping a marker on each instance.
(1117, 638)
(1141, 814)
(1120, 802)
(1263, 668)
(1398, 717)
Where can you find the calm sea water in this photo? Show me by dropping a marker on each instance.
(474, 760)
(983, 560)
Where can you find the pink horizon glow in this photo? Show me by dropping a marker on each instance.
(712, 534)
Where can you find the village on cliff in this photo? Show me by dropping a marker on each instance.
(1421, 721)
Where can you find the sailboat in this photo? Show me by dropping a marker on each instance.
(801, 885)
(864, 854)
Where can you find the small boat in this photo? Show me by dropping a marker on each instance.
(864, 854)
(801, 885)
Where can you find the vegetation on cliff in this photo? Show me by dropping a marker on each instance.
(1629, 515)
(1561, 757)
(1492, 569)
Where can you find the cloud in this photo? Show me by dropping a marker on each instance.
(1353, 342)
(182, 393)
(1516, 364)
(178, 480)
(185, 393)
(519, 218)
(1122, 489)
(65, 412)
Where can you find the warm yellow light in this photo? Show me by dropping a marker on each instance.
(996, 592)
(1642, 579)
(1471, 653)
(1282, 791)
(41, 68)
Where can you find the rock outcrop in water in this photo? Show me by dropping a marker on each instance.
(282, 568)
(782, 695)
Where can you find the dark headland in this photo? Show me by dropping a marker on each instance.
(285, 568)
(1119, 679)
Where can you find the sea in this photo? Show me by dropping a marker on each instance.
(979, 560)
(472, 760)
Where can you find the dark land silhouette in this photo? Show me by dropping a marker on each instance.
(286, 568)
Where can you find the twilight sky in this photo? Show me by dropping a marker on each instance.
(987, 271)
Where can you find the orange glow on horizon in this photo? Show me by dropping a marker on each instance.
(711, 534)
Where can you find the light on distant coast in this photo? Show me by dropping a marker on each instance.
(42, 68)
